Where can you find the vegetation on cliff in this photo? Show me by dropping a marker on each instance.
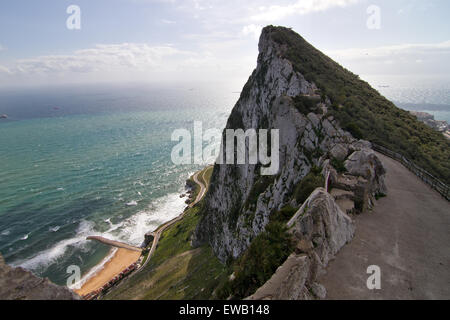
(362, 110)
(176, 270)
(266, 253)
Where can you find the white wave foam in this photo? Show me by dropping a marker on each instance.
(51, 255)
(6, 232)
(131, 230)
(55, 229)
(93, 271)
(25, 237)
(132, 203)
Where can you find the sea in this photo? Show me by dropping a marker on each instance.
(94, 160)
(79, 161)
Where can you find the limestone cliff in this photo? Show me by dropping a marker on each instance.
(277, 96)
(321, 229)
(19, 284)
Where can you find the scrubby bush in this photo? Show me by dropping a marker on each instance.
(266, 253)
(308, 184)
(304, 104)
(284, 214)
(338, 165)
(353, 128)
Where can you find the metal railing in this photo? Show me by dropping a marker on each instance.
(426, 177)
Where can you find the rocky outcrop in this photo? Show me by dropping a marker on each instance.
(320, 229)
(365, 163)
(362, 181)
(428, 119)
(277, 96)
(240, 200)
(19, 284)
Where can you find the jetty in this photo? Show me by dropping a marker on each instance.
(113, 243)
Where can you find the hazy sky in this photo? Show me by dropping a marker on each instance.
(212, 40)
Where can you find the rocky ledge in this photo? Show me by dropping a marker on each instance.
(322, 225)
(19, 284)
(320, 229)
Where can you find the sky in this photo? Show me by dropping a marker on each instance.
(212, 40)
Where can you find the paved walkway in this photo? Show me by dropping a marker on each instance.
(407, 235)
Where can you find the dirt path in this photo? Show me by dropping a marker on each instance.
(407, 235)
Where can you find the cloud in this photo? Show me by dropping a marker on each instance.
(402, 58)
(166, 21)
(252, 29)
(300, 7)
(4, 70)
(129, 62)
(401, 50)
(102, 57)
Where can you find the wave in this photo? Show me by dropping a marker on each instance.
(131, 230)
(49, 256)
(132, 203)
(55, 229)
(93, 271)
(25, 237)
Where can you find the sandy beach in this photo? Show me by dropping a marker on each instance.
(122, 259)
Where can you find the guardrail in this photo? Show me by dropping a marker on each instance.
(426, 177)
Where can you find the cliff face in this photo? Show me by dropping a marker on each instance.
(19, 284)
(240, 201)
(320, 229)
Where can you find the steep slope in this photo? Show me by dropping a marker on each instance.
(241, 200)
(309, 98)
(363, 111)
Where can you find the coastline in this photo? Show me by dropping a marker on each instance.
(120, 260)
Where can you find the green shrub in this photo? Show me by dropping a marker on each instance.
(338, 165)
(353, 128)
(304, 104)
(284, 214)
(308, 184)
(266, 253)
(259, 187)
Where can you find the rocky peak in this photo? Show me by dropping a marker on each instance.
(276, 96)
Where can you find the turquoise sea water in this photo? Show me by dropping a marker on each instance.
(97, 164)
